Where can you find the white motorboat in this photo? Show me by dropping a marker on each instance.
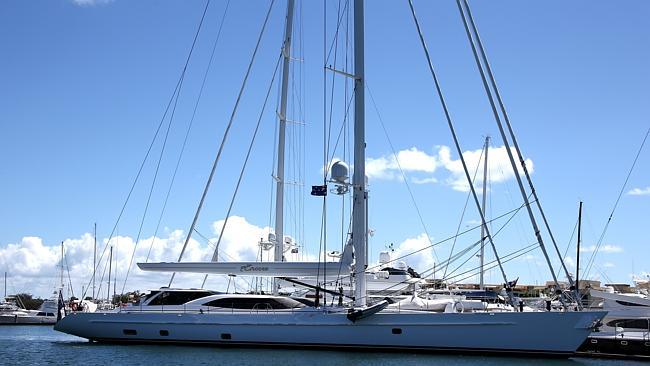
(10, 313)
(264, 320)
(625, 312)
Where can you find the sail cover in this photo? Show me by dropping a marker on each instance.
(267, 269)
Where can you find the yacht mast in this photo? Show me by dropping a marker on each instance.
(578, 252)
(110, 265)
(61, 265)
(360, 196)
(94, 258)
(485, 177)
(282, 114)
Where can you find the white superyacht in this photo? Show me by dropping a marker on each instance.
(266, 320)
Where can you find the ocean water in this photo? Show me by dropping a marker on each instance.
(41, 345)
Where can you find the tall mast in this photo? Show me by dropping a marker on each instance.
(578, 252)
(94, 258)
(360, 196)
(110, 263)
(5, 285)
(282, 114)
(485, 177)
(61, 265)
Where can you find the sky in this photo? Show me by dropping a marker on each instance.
(84, 85)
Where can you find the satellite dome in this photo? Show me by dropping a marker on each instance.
(340, 172)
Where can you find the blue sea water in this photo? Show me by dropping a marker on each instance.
(41, 345)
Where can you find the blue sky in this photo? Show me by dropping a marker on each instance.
(84, 84)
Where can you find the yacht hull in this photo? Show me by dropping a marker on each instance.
(26, 320)
(550, 333)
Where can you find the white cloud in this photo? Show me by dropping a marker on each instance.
(410, 160)
(639, 191)
(429, 180)
(609, 265)
(607, 248)
(420, 261)
(418, 162)
(34, 267)
(499, 168)
(91, 2)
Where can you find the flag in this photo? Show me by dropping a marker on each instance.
(60, 314)
(319, 190)
(513, 283)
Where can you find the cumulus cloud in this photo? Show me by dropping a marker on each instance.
(422, 259)
(425, 165)
(33, 266)
(639, 191)
(607, 248)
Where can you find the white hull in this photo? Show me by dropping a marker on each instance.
(26, 319)
(551, 333)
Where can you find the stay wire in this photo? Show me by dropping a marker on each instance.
(618, 199)
(189, 127)
(462, 216)
(399, 166)
(243, 168)
(224, 138)
(146, 157)
(453, 133)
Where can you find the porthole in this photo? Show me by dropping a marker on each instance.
(164, 332)
(129, 332)
(397, 330)
(226, 336)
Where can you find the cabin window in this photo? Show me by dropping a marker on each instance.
(178, 297)
(394, 271)
(629, 303)
(254, 303)
(226, 336)
(129, 332)
(630, 323)
(164, 332)
(397, 330)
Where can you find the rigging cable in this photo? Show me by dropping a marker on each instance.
(399, 166)
(462, 215)
(224, 138)
(189, 128)
(618, 199)
(456, 143)
(522, 162)
(243, 168)
(146, 157)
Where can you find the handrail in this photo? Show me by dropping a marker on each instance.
(257, 309)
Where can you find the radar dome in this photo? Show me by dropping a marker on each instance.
(340, 172)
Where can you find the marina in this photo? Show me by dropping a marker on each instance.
(284, 210)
